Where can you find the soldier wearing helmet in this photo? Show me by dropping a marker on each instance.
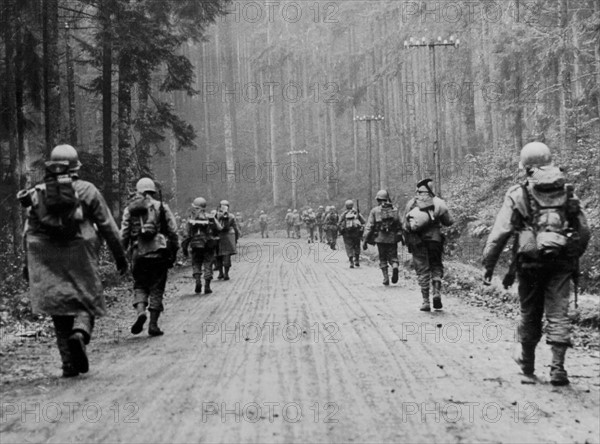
(149, 232)
(423, 218)
(297, 223)
(263, 221)
(310, 220)
(320, 216)
(351, 227)
(330, 226)
(289, 222)
(202, 235)
(65, 217)
(228, 238)
(383, 228)
(551, 234)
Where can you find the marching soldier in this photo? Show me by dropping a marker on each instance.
(263, 221)
(351, 227)
(383, 228)
(320, 216)
(297, 222)
(551, 234)
(228, 238)
(149, 233)
(64, 218)
(310, 221)
(289, 222)
(241, 222)
(424, 216)
(331, 227)
(202, 236)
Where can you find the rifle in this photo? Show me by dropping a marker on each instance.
(511, 274)
(576, 281)
(164, 230)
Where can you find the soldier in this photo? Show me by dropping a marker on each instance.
(241, 223)
(351, 227)
(263, 221)
(383, 227)
(310, 220)
(289, 222)
(228, 238)
(331, 227)
(202, 234)
(64, 218)
(423, 217)
(149, 233)
(551, 234)
(297, 222)
(320, 216)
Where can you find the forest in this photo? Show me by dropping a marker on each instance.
(275, 105)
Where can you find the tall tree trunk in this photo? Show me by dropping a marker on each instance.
(107, 168)
(273, 174)
(71, 89)
(292, 133)
(567, 126)
(51, 74)
(124, 132)
(597, 60)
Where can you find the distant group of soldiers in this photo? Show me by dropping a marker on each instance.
(66, 216)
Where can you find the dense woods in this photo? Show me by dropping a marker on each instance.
(256, 101)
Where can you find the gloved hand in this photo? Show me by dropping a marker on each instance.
(487, 276)
(122, 267)
(365, 246)
(508, 280)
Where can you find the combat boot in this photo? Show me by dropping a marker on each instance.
(386, 276)
(207, 289)
(138, 325)
(526, 359)
(198, 278)
(356, 260)
(437, 295)
(65, 355)
(221, 275)
(425, 306)
(558, 374)
(153, 329)
(76, 344)
(395, 274)
(226, 275)
(351, 263)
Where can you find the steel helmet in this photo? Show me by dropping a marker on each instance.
(349, 203)
(289, 210)
(310, 210)
(535, 155)
(295, 211)
(382, 195)
(262, 212)
(145, 185)
(224, 202)
(62, 153)
(320, 207)
(199, 202)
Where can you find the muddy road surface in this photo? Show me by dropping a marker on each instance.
(297, 347)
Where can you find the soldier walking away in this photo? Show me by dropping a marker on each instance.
(289, 222)
(351, 227)
(228, 238)
(320, 216)
(241, 223)
(297, 222)
(551, 233)
(65, 215)
(263, 221)
(149, 233)
(423, 218)
(331, 227)
(383, 228)
(310, 220)
(202, 236)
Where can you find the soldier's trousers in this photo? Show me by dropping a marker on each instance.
(544, 290)
(320, 230)
(427, 259)
(65, 326)
(331, 235)
(223, 260)
(388, 254)
(149, 281)
(311, 233)
(352, 245)
(263, 230)
(297, 231)
(202, 260)
(290, 229)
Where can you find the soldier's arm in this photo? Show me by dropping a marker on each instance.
(171, 228)
(126, 228)
(584, 232)
(502, 230)
(445, 216)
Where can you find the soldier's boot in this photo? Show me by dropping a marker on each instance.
(386, 276)
(221, 275)
(351, 262)
(395, 274)
(437, 295)
(153, 329)
(207, 289)
(68, 369)
(76, 344)
(138, 325)
(357, 260)
(526, 358)
(558, 374)
(425, 306)
(198, 287)
(226, 274)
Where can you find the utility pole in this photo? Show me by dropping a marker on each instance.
(423, 43)
(370, 119)
(293, 155)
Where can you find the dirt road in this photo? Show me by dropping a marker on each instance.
(297, 347)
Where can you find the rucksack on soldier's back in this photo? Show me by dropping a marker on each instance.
(351, 222)
(142, 212)
(550, 228)
(388, 216)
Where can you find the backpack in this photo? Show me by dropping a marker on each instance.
(144, 217)
(332, 219)
(199, 223)
(352, 224)
(421, 215)
(388, 217)
(550, 227)
(59, 207)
